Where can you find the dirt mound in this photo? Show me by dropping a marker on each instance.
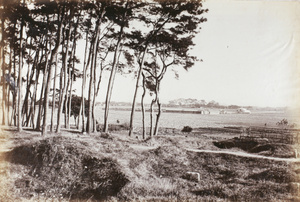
(262, 148)
(60, 167)
(245, 145)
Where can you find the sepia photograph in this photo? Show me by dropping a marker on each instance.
(149, 100)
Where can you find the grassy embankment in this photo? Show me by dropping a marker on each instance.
(71, 166)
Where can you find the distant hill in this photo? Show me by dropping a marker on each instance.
(195, 103)
(189, 102)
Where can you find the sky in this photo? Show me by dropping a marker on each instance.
(250, 57)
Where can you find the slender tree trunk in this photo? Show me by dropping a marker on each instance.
(4, 97)
(157, 117)
(67, 100)
(94, 98)
(72, 73)
(83, 84)
(96, 94)
(33, 114)
(39, 119)
(79, 116)
(33, 71)
(29, 77)
(92, 88)
(90, 94)
(47, 88)
(64, 88)
(53, 97)
(111, 80)
(19, 125)
(8, 104)
(27, 111)
(69, 94)
(14, 114)
(46, 95)
(70, 101)
(30, 118)
(142, 105)
(151, 117)
(152, 130)
(59, 109)
(8, 92)
(95, 87)
(136, 91)
(8, 89)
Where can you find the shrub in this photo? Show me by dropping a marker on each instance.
(187, 129)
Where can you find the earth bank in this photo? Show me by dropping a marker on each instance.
(70, 166)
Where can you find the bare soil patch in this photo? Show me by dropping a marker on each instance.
(262, 147)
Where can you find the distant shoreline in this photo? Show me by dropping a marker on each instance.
(204, 111)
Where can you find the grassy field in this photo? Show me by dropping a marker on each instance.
(115, 167)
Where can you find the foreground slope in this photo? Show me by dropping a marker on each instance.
(71, 166)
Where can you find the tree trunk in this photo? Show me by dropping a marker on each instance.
(46, 94)
(157, 117)
(83, 84)
(64, 88)
(90, 94)
(72, 73)
(94, 90)
(47, 88)
(79, 115)
(141, 63)
(4, 96)
(67, 126)
(96, 94)
(59, 109)
(19, 125)
(142, 105)
(28, 85)
(14, 113)
(33, 114)
(38, 123)
(8, 89)
(91, 122)
(53, 97)
(33, 103)
(151, 117)
(111, 80)
(70, 101)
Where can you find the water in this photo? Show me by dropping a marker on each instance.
(179, 120)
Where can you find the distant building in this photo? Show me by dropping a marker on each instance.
(243, 111)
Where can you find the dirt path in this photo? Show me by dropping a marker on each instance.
(244, 154)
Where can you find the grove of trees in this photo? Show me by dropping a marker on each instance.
(41, 57)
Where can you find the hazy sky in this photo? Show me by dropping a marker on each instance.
(249, 57)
